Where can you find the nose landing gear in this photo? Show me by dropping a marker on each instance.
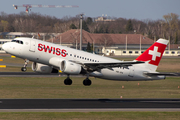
(25, 64)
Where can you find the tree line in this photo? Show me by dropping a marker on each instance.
(168, 27)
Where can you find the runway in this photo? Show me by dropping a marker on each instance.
(70, 105)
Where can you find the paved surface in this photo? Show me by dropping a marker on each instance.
(65, 105)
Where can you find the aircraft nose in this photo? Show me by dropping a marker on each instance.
(5, 47)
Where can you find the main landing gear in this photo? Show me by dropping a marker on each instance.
(25, 64)
(68, 81)
(86, 82)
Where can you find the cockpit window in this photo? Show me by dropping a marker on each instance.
(17, 41)
(13, 41)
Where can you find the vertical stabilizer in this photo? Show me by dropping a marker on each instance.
(153, 54)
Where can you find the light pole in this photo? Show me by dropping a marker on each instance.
(81, 31)
(140, 43)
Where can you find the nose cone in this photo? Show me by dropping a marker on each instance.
(5, 47)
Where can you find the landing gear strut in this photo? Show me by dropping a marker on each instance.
(25, 64)
(68, 81)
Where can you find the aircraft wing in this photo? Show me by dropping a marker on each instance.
(162, 73)
(97, 66)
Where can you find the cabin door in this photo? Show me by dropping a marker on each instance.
(32, 45)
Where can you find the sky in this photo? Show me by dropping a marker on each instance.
(129, 9)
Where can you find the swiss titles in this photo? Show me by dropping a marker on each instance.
(52, 50)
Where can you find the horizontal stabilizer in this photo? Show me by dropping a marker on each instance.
(162, 73)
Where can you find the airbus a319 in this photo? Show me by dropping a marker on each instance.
(48, 57)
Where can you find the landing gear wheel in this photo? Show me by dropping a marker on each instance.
(87, 82)
(68, 81)
(25, 64)
(23, 69)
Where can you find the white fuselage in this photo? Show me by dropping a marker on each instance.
(34, 50)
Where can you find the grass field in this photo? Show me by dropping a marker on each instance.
(90, 116)
(46, 87)
(19, 87)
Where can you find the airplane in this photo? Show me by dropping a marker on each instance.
(49, 58)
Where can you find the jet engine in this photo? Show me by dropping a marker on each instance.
(70, 67)
(41, 68)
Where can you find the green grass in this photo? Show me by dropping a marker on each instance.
(90, 116)
(46, 87)
(14, 69)
(8, 59)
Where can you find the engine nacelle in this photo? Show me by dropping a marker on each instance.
(70, 67)
(41, 68)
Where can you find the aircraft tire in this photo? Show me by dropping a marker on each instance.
(87, 82)
(23, 69)
(67, 81)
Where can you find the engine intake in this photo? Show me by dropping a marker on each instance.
(70, 67)
(41, 68)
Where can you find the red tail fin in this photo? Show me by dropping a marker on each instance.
(154, 53)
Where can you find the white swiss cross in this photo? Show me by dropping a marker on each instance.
(154, 53)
